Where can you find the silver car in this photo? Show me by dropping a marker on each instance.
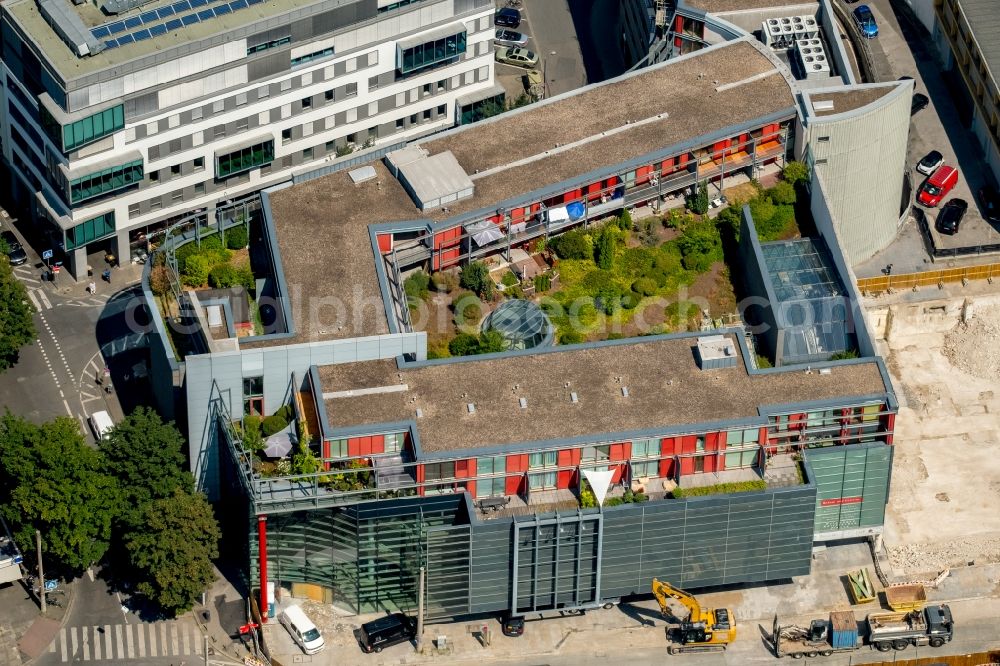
(506, 37)
(517, 56)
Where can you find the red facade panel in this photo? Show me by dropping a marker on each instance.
(572, 195)
(465, 469)
(517, 465)
(642, 175)
(384, 243)
(565, 476)
(667, 166)
(447, 258)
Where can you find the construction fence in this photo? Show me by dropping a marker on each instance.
(977, 659)
(877, 285)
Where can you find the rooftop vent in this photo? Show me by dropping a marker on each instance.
(812, 55)
(362, 174)
(573, 397)
(624, 391)
(121, 6)
(70, 28)
(716, 351)
(471, 407)
(523, 402)
(431, 180)
(823, 105)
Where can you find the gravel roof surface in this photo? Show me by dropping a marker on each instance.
(849, 100)
(721, 6)
(666, 388)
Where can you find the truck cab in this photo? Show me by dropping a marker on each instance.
(939, 622)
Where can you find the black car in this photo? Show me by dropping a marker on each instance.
(507, 18)
(15, 253)
(919, 103)
(385, 631)
(989, 198)
(512, 625)
(951, 216)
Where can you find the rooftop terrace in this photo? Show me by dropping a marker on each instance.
(665, 389)
(322, 225)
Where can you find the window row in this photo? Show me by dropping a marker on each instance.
(428, 54)
(105, 181)
(244, 159)
(274, 43)
(81, 132)
(91, 230)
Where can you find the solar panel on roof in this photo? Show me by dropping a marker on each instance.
(174, 24)
(198, 3)
(140, 35)
(190, 19)
(182, 6)
(125, 39)
(149, 17)
(223, 9)
(111, 44)
(102, 31)
(158, 30)
(164, 12)
(132, 22)
(239, 4)
(115, 28)
(254, 2)
(206, 14)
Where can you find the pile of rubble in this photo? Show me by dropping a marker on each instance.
(930, 557)
(974, 346)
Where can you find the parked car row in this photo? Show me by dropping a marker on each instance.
(941, 180)
(510, 43)
(12, 247)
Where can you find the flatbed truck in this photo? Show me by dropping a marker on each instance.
(882, 631)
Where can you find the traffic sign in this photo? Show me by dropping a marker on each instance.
(51, 584)
(46, 254)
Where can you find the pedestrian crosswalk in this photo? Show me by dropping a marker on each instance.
(131, 641)
(39, 299)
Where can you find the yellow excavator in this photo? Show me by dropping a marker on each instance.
(703, 630)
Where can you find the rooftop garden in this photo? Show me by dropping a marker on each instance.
(618, 277)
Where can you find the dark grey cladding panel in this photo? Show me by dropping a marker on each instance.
(141, 105)
(335, 19)
(491, 562)
(268, 65)
(272, 35)
(708, 542)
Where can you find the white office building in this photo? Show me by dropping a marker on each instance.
(121, 116)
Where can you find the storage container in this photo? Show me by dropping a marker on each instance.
(904, 598)
(843, 630)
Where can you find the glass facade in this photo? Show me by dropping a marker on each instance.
(91, 230)
(80, 133)
(557, 562)
(432, 53)
(852, 485)
(539, 461)
(105, 181)
(244, 159)
(273, 44)
(491, 487)
(742, 448)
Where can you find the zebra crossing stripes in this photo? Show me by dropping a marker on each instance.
(120, 642)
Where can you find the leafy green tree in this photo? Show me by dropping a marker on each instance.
(783, 192)
(570, 337)
(173, 549)
(17, 328)
(795, 173)
(491, 342)
(604, 248)
(762, 210)
(52, 481)
(146, 456)
(700, 246)
(463, 344)
(417, 286)
(476, 278)
(699, 202)
(572, 245)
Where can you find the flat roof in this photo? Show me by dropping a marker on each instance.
(848, 99)
(665, 389)
(70, 66)
(723, 6)
(984, 22)
(322, 225)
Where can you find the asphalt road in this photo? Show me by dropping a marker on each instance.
(78, 333)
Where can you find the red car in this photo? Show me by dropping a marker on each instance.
(937, 186)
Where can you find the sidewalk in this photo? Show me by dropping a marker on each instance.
(633, 628)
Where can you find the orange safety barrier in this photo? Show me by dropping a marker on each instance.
(877, 285)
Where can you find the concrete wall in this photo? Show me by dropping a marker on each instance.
(858, 158)
(227, 370)
(923, 10)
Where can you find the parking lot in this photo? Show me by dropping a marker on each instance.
(904, 49)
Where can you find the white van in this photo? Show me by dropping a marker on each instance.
(302, 629)
(101, 424)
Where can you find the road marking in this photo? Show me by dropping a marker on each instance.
(118, 641)
(140, 640)
(97, 643)
(129, 641)
(66, 405)
(34, 301)
(62, 643)
(85, 642)
(175, 646)
(72, 639)
(164, 647)
(109, 646)
(44, 299)
(185, 640)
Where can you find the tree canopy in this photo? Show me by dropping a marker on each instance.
(52, 481)
(17, 328)
(174, 548)
(146, 456)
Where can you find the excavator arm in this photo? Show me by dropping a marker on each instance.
(665, 591)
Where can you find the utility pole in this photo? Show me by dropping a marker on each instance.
(41, 572)
(420, 611)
